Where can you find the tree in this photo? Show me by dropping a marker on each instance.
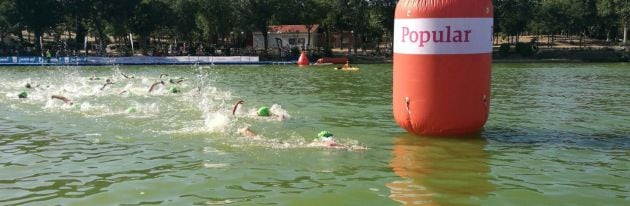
(38, 16)
(309, 14)
(148, 18)
(6, 26)
(218, 18)
(606, 11)
(515, 15)
(620, 8)
(259, 13)
(550, 18)
(185, 15)
(383, 17)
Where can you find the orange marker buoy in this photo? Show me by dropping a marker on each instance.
(442, 65)
(303, 60)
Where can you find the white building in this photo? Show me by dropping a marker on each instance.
(288, 35)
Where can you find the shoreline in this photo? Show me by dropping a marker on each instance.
(356, 59)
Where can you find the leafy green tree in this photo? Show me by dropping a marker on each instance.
(185, 15)
(383, 17)
(260, 13)
(6, 26)
(550, 18)
(620, 9)
(149, 18)
(309, 14)
(218, 17)
(38, 16)
(515, 15)
(606, 11)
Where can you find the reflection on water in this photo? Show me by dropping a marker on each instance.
(440, 171)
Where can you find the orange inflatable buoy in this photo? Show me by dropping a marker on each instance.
(442, 65)
(303, 60)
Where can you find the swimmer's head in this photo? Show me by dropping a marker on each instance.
(173, 90)
(324, 134)
(264, 112)
(22, 95)
(131, 110)
(28, 86)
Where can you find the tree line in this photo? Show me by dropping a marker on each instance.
(222, 23)
(596, 19)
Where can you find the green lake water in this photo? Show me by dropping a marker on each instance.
(558, 134)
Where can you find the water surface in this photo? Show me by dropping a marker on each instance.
(557, 134)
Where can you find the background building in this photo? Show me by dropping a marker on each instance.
(289, 36)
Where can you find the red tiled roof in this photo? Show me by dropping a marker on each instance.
(291, 28)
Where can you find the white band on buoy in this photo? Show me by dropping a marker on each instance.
(443, 36)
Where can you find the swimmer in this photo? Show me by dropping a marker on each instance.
(155, 84)
(123, 92)
(62, 98)
(23, 95)
(94, 77)
(29, 86)
(176, 81)
(247, 132)
(326, 139)
(236, 106)
(126, 76)
(266, 112)
(107, 82)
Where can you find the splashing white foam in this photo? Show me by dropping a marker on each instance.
(217, 122)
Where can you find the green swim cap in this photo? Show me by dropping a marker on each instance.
(264, 112)
(324, 134)
(22, 95)
(131, 110)
(173, 90)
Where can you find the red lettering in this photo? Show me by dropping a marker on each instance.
(405, 33)
(458, 36)
(467, 33)
(413, 37)
(435, 36)
(448, 35)
(424, 40)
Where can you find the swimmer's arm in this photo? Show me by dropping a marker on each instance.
(124, 75)
(62, 98)
(155, 84)
(236, 106)
(104, 85)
